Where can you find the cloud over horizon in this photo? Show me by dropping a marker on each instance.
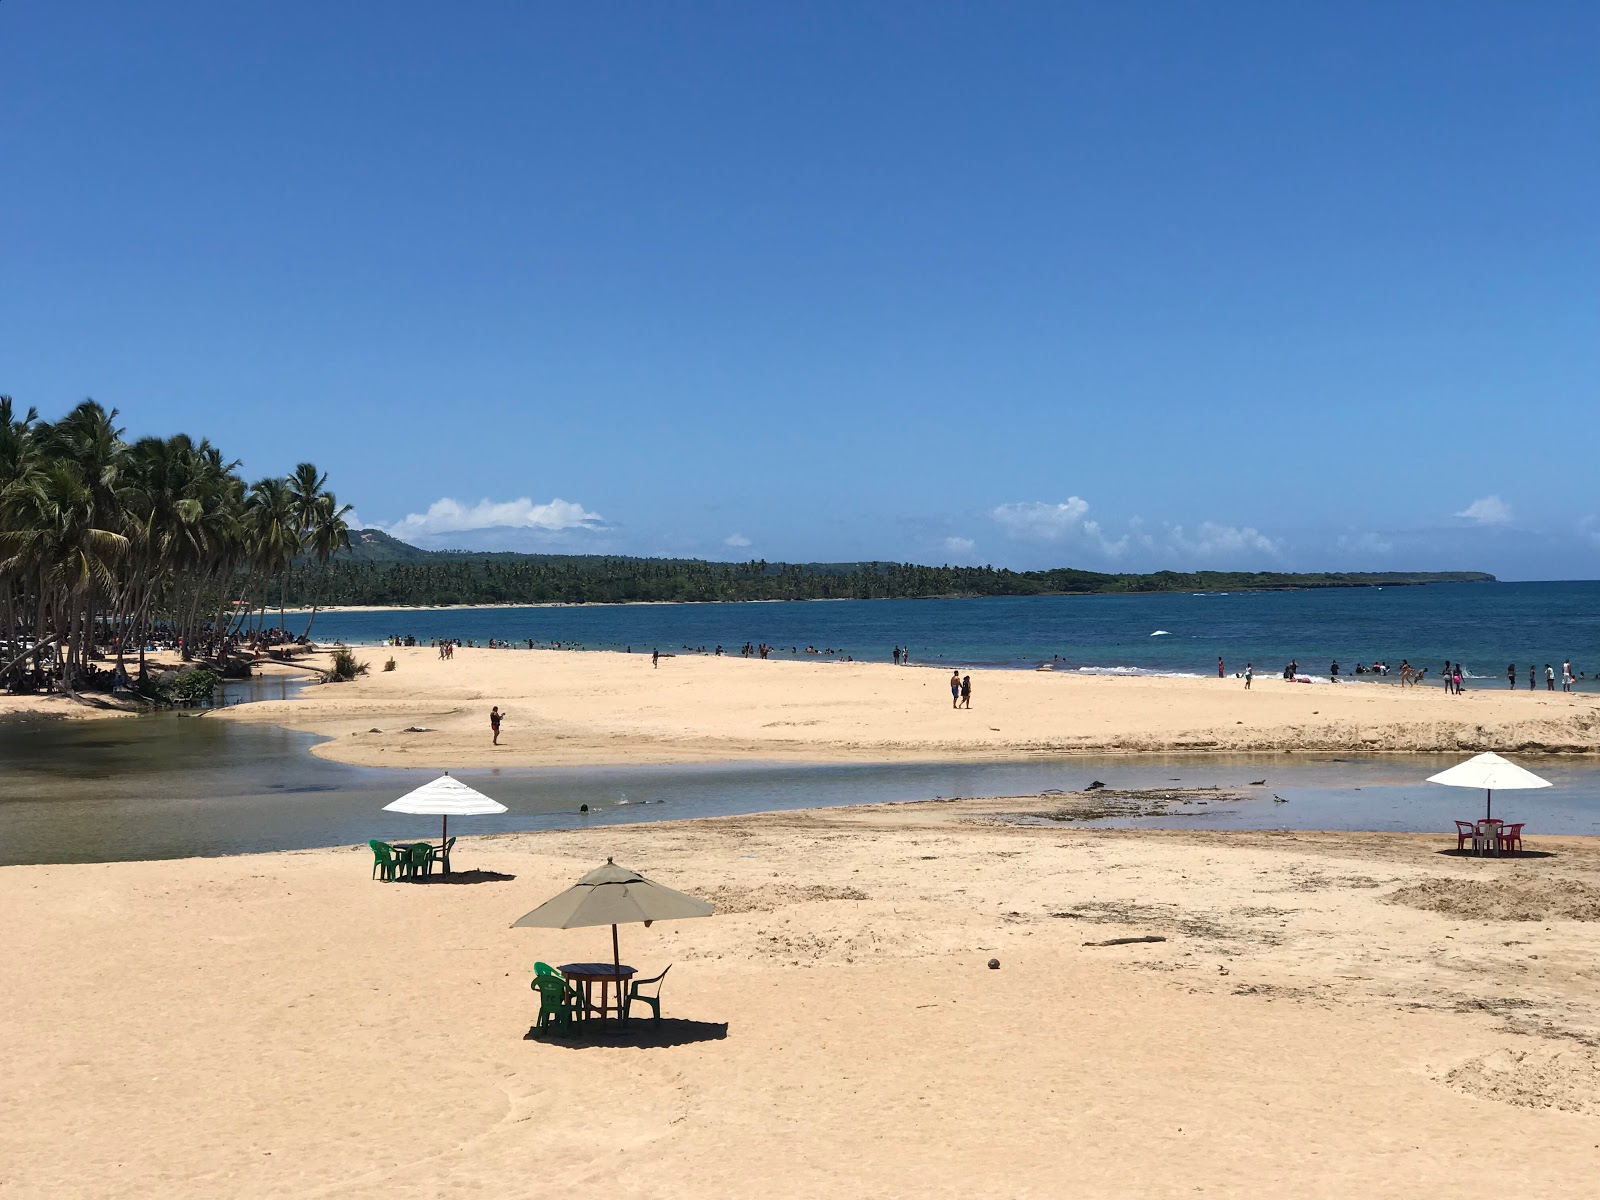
(447, 515)
(1491, 510)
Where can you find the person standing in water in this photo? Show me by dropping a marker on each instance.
(494, 722)
(1511, 675)
(1533, 675)
(1221, 674)
(1549, 678)
(1566, 675)
(955, 689)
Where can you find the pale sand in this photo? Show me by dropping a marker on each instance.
(569, 708)
(278, 1025)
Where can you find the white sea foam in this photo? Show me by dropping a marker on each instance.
(1145, 672)
(1161, 633)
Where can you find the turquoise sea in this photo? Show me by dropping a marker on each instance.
(1484, 626)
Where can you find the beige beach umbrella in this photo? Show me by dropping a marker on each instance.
(1489, 771)
(613, 895)
(446, 797)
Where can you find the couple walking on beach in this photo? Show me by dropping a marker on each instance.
(960, 690)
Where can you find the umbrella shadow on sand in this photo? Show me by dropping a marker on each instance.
(470, 877)
(639, 1035)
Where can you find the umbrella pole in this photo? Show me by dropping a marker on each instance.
(1488, 805)
(616, 968)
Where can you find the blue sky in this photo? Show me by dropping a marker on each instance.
(1112, 285)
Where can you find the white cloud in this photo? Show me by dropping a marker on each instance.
(736, 539)
(1036, 519)
(960, 547)
(451, 516)
(1211, 540)
(1491, 510)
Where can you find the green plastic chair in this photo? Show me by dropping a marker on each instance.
(556, 1006)
(546, 969)
(383, 860)
(635, 994)
(421, 861)
(441, 855)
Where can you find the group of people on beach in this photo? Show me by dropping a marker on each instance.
(1568, 676)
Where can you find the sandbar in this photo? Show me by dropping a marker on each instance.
(574, 708)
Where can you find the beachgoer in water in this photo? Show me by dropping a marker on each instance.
(1566, 676)
(494, 722)
(1333, 672)
(955, 689)
(1511, 675)
(1221, 674)
(966, 691)
(1249, 674)
(1533, 674)
(1549, 678)
(1457, 679)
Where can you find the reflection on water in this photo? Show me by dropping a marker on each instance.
(175, 785)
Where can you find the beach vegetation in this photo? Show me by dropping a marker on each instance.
(109, 547)
(345, 667)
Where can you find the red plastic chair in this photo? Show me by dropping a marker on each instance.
(1464, 832)
(1511, 837)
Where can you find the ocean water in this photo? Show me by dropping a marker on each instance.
(1484, 626)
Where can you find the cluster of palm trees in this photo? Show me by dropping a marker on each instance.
(103, 542)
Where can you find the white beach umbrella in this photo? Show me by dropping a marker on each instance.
(1489, 771)
(446, 797)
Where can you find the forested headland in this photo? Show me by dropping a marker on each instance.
(380, 570)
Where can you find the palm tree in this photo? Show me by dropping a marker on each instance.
(330, 533)
(273, 534)
(100, 539)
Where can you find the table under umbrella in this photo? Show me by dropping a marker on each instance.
(1489, 772)
(446, 797)
(613, 895)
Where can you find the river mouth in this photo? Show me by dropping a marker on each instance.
(179, 785)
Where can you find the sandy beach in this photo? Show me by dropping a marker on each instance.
(578, 708)
(1328, 1015)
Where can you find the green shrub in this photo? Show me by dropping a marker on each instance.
(345, 667)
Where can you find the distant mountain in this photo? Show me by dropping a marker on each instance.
(376, 546)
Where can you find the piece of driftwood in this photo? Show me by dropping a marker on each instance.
(1127, 941)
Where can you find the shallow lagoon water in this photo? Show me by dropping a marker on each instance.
(174, 785)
